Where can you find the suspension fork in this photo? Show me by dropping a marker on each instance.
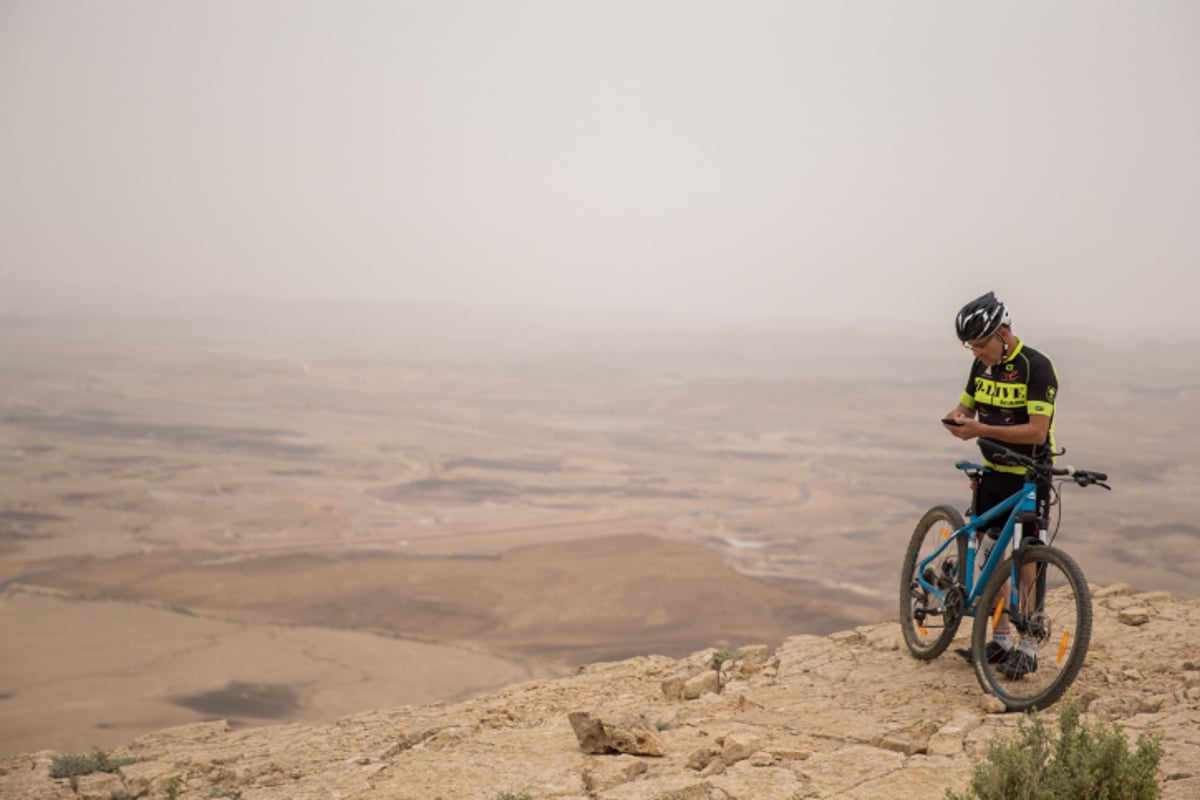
(1027, 594)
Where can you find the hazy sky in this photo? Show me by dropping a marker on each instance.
(845, 160)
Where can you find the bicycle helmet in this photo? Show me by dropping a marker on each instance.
(981, 317)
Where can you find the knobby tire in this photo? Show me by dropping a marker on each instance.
(929, 638)
(1060, 604)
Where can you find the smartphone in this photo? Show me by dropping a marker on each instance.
(950, 421)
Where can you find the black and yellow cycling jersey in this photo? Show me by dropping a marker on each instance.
(1024, 383)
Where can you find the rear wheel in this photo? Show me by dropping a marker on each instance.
(1052, 617)
(929, 619)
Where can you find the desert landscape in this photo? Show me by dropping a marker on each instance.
(260, 512)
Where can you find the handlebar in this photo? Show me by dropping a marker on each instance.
(1000, 454)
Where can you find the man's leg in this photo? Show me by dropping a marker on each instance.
(994, 488)
(1022, 660)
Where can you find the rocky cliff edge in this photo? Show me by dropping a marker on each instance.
(850, 715)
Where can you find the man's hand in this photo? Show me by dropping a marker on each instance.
(970, 429)
(966, 427)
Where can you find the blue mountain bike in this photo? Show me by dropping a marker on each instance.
(1024, 584)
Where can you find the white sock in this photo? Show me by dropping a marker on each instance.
(1002, 638)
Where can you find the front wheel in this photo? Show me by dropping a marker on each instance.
(929, 621)
(1050, 615)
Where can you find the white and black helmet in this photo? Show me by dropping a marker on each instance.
(981, 317)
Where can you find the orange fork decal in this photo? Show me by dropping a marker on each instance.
(946, 533)
(1062, 646)
(996, 614)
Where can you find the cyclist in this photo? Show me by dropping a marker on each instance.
(1009, 398)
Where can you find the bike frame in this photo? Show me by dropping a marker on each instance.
(1018, 506)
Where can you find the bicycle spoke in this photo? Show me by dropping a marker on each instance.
(1050, 628)
(930, 613)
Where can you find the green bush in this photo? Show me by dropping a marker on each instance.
(726, 654)
(72, 765)
(1086, 763)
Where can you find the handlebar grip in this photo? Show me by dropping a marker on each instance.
(1086, 478)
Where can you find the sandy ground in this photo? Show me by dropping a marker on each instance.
(79, 674)
(266, 523)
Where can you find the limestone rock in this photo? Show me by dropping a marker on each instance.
(141, 775)
(98, 786)
(948, 741)
(739, 745)
(700, 758)
(672, 687)
(1134, 615)
(626, 735)
(760, 783)
(605, 773)
(704, 683)
(673, 787)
